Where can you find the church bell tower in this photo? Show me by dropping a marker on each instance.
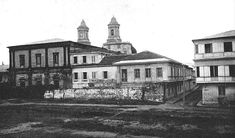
(113, 31)
(83, 34)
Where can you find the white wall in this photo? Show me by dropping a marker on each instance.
(112, 72)
(98, 58)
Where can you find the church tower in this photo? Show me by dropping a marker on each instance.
(83, 34)
(113, 31)
(114, 42)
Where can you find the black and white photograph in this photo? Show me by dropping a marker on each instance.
(117, 68)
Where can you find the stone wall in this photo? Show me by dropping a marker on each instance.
(126, 93)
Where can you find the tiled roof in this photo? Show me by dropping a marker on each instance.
(3, 68)
(109, 60)
(145, 56)
(230, 33)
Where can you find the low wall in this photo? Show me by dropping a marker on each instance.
(125, 93)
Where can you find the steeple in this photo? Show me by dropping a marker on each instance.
(113, 31)
(83, 33)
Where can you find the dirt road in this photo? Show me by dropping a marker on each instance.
(73, 120)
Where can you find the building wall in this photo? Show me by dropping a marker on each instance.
(98, 58)
(79, 83)
(17, 58)
(33, 57)
(130, 73)
(210, 93)
(218, 58)
(50, 56)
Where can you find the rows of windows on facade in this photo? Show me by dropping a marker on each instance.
(214, 71)
(124, 74)
(228, 47)
(84, 59)
(38, 58)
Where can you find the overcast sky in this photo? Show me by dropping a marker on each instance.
(166, 27)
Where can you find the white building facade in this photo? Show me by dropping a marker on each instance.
(215, 67)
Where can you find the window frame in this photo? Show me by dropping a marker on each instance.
(22, 60)
(148, 73)
(84, 75)
(84, 59)
(75, 74)
(93, 75)
(124, 75)
(198, 71)
(38, 59)
(159, 74)
(228, 47)
(232, 70)
(56, 58)
(105, 74)
(136, 73)
(196, 49)
(208, 48)
(75, 60)
(93, 59)
(213, 71)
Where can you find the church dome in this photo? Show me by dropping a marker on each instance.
(113, 21)
(83, 25)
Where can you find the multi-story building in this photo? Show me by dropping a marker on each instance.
(114, 41)
(133, 71)
(215, 66)
(148, 67)
(45, 62)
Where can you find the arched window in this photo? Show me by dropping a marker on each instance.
(112, 32)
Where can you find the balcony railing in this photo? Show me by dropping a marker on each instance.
(220, 79)
(214, 55)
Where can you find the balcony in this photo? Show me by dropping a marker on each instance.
(214, 55)
(223, 79)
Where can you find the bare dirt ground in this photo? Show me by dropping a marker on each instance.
(58, 120)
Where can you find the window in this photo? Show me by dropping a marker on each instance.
(214, 71)
(108, 47)
(56, 59)
(118, 46)
(221, 90)
(124, 75)
(196, 49)
(75, 75)
(105, 74)
(83, 59)
(159, 72)
(38, 59)
(147, 72)
(232, 70)
(93, 59)
(208, 48)
(93, 75)
(84, 76)
(112, 32)
(22, 60)
(137, 73)
(198, 71)
(75, 60)
(228, 47)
